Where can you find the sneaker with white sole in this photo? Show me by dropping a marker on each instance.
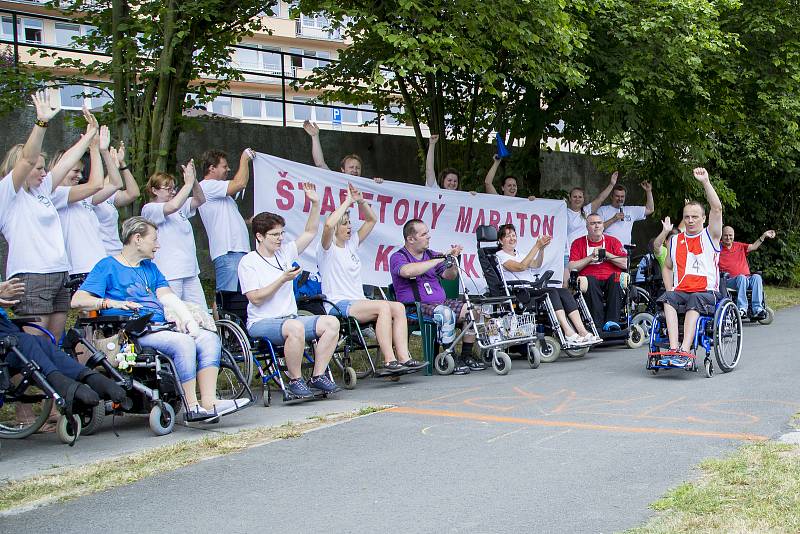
(226, 406)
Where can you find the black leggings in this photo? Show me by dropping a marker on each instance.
(562, 299)
(41, 350)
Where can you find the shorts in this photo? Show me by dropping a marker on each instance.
(226, 271)
(566, 259)
(272, 328)
(44, 294)
(704, 302)
(455, 305)
(342, 308)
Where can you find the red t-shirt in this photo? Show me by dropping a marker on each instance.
(734, 260)
(581, 248)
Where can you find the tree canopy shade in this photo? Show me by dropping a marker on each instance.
(160, 52)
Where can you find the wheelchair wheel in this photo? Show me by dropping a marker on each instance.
(349, 377)
(708, 367)
(636, 337)
(576, 353)
(19, 420)
(770, 316)
(92, 421)
(235, 352)
(645, 321)
(727, 336)
(162, 421)
(67, 432)
(550, 349)
(444, 363)
(534, 356)
(501, 363)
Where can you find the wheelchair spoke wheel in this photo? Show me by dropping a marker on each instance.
(236, 352)
(727, 336)
(19, 420)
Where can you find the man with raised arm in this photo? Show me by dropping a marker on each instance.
(690, 270)
(618, 218)
(351, 164)
(416, 264)
(733, 260)
(228, 240)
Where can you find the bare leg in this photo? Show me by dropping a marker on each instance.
(689, 326)
(575, 317)
(328, 335)
(207, 380)
(190, 392)
(380, 312)
(400, 331)
(671, 315)
(295, 342)
(565, 326)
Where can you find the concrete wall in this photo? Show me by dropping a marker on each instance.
(391, 157)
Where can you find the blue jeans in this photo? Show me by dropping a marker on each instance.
(226, 270)
(741, 284)
(187, 353)
(272, 328)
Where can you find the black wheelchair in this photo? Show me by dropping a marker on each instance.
(751, 315)
(645, 292)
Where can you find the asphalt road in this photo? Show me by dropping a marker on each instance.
(575, 446)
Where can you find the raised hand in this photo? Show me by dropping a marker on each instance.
(667, 225)
(10, 290)
(45, 109)
(311, 128)
(104, 138)
(434, 139)
(700, 174)
(647, 186)
(114, 156)
(91, 122)
(189, 172)
(354, 193)
(121, 154)
(377, 179)
(311, 192)
(614, 176)
(456, 250)
(543, 241)
(770, 234)
(249, 153)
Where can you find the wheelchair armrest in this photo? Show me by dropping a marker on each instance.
(23, 320)
(305, 299)
(489, 300)
(542, 280)
(102, 319)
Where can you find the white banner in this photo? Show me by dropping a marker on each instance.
(452, 216)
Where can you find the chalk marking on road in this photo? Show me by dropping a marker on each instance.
(582, 426)
(447, 396)
(492, 440)
(662, 406)
(552, 436)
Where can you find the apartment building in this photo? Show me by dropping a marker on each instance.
(269, 63)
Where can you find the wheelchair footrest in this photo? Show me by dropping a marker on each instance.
(670, 359)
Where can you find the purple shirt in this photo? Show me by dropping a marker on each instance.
(430, 290)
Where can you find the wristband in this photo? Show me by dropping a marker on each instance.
(124, 168)
(41, 124)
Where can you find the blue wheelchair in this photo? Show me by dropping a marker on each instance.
(720, 333)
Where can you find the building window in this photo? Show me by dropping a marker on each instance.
(247, 59)
(7, 28)
(274, 109)
(275, 11)
(367, 113)
(65, 33)
(31, 30)
(302, 112)
(271, 59)
(251, 108)
(323, 114)
(221, 106)
(72, 96)
(297, 59)
(349, 116)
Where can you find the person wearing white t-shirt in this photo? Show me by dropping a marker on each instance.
(618, 218)
(228, 240)
(29, 220)
(517, 266)
(112, 197)
(170, 211)
(340, 269)
(82, 236)
(266, 277)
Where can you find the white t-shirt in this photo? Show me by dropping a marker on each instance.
(108, 217)
(224, 224)
(81, 232)
(340, 269)
(177, 256)
(529, 274)
(576, 225)
(29, 221)
(256, 271)
(622, 229)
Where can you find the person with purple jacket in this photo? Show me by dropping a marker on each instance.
(416, 264)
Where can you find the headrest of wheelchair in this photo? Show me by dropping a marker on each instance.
(486, 234)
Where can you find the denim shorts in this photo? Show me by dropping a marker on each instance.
(272, 328)
(226, 269)
(342, 308)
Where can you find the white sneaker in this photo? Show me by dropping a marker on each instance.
(591, 338)
(226, 406)
(574, 339)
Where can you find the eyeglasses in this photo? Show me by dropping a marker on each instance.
(173, 188)
(276, 235)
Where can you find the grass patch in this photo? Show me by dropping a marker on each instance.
(83, 480)
(757, 489)
(782, 297)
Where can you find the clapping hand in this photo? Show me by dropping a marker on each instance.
(354, 194)
(455, 250)
(189, 172)
(311, 192)
(543, 241)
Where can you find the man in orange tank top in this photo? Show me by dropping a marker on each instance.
(690, 270)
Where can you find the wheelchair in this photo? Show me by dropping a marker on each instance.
(750, 315)
(27, 386)
(644, 293)
(633, 335)
(251, 354)
(149, 377)
(720, 333)
(531, 297)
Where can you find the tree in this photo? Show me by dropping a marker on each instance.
(161, 55)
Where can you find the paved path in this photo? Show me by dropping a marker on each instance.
(575, 446)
